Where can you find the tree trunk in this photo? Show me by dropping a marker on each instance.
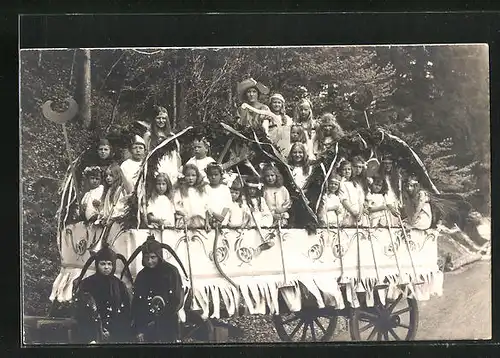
(182, 106)
(174, 100)
(87, 89)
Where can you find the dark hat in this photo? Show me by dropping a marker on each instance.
(248, 83)
(151, 245)
(104, 254)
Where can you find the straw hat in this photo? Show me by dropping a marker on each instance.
(245, 85)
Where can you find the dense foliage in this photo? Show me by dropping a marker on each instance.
(436, 98)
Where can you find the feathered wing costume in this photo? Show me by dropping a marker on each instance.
(158, 295)
(102, 302)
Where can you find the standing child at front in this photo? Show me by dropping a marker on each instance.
(131, 166)
(349, 195)
(331, 211)
(218, 195)
(160, 209)
(259, 213)
(299, 164)
(201, 147)
(91, 199)
(276, 195)
(190, 198)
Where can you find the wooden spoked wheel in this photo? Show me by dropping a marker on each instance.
(396, 320)
(307, 325)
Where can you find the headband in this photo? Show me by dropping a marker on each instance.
(252, 185)
(92, 170)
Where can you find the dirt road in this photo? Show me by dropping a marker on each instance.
(464, 310)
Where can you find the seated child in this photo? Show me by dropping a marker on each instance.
(259, 214)
(91, 199)
(331, 211)
(201, 159)
(191, 200)
(219, 196)
(276, 195)
(160, 209)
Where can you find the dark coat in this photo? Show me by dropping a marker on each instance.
(113, 307)
(163, 280)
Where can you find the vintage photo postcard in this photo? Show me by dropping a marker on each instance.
(255, 194)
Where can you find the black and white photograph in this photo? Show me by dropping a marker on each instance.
(190, 195)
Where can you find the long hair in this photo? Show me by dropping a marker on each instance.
(168, 193)
(298, 118)
(199, 185)
(279, 178)
(248, 197)
(117, 185)
(328, 119)
(362, 178)
(302, 133)
(394, 179)
(154, 141)
(380, 179)
(305, 162)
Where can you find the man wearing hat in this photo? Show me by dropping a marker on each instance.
(250, 113)
(131, 166)
(158, 296)
(102, 301)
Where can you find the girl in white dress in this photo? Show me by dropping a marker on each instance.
(331, 211)
(258, 211)
(160, 209)
(376, 207)
(190, 199)
(238, 215)
(276, 195)
(219, 196)
(115, 195)
(348, 194)
(91, 199)
(299, 164)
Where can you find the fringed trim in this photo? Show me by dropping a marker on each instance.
(260, 294)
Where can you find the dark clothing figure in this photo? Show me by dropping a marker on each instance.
(113, 310)
(102, 302)
(163, 280)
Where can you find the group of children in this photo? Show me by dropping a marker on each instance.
(354, 199)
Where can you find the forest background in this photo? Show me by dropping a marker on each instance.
(434, 97)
